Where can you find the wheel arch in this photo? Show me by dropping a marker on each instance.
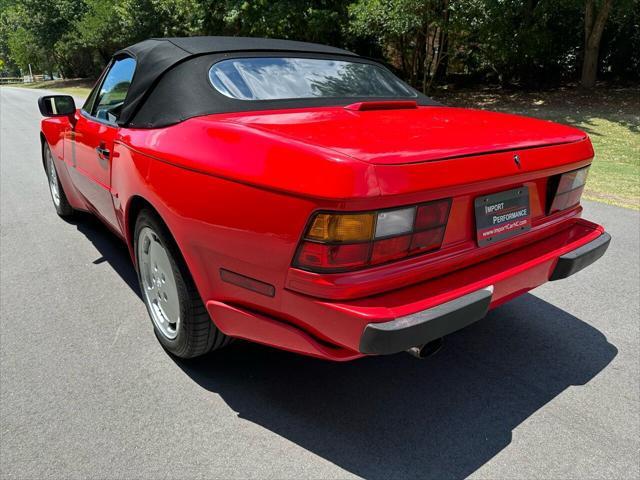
(136, 204)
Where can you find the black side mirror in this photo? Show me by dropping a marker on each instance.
(56, 105)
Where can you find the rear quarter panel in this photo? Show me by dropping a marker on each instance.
(232, 200)
(251, 156)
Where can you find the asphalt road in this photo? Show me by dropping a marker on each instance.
(544, 387)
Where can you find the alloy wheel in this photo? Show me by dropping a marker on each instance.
(53, 179)
(159, 288)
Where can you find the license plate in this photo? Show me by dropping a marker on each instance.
(502, 215)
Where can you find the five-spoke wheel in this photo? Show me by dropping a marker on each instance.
(158, 283)
(179, 317)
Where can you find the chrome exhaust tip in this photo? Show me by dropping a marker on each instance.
(426, 350)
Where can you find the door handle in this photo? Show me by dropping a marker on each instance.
(103, 152)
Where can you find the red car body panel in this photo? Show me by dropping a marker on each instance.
(418, 135)
(237, 191)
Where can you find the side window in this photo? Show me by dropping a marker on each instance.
(113, 90)
(92, 96)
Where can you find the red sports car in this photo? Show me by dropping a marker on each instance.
(303, 197)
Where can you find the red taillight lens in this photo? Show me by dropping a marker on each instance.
(432, 215)
(427, 240)
(390, 249)
(319, 256)
(337, 242)
(569, 189)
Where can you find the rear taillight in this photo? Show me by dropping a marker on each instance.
(565, 190)
(336, 242)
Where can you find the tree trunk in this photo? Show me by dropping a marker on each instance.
(590, 67)
(443, 58)
(428, 58)
(593, 28)
(403, 56)
(414, 60)
(421, 41)
(433, 50)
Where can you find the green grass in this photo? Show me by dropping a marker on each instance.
(75, 91)
(79, 87)
(613, 177)
(611, 117)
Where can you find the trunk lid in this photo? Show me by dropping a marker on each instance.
(400, 136)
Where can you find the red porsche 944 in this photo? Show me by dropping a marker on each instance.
(303, 197)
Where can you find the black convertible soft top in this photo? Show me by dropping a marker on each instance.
(170, 83)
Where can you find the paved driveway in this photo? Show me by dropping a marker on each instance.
(546, 386)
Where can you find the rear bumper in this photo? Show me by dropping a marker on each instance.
(416, 314)
(582, 257)
(428, 325)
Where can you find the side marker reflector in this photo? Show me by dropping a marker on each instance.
(247, 282)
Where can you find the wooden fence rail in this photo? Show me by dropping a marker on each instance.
(25, 79)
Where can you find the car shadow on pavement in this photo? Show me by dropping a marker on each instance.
(399, 417)
(112, 249)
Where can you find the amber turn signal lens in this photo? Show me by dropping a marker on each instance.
(341, 228)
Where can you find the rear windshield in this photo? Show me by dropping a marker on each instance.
(285, 78)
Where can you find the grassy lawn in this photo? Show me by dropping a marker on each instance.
(611, 117)
(79, 87)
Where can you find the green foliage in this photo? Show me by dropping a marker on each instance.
(33, 27)
(533, 41)
(308, 20)
(508, 41)
(620, 51)
(388, 20)
(411, 33)
(25, 51)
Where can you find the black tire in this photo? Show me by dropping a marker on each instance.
(196, 334)
(61, 204)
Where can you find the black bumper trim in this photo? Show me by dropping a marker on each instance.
(581, 257)
(405, 332)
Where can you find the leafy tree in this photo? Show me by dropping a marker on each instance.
(410, 32)
(532, 42)
(619, 55)
(522, 42)
(309, 20)
(33, 27)
(25, 51)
